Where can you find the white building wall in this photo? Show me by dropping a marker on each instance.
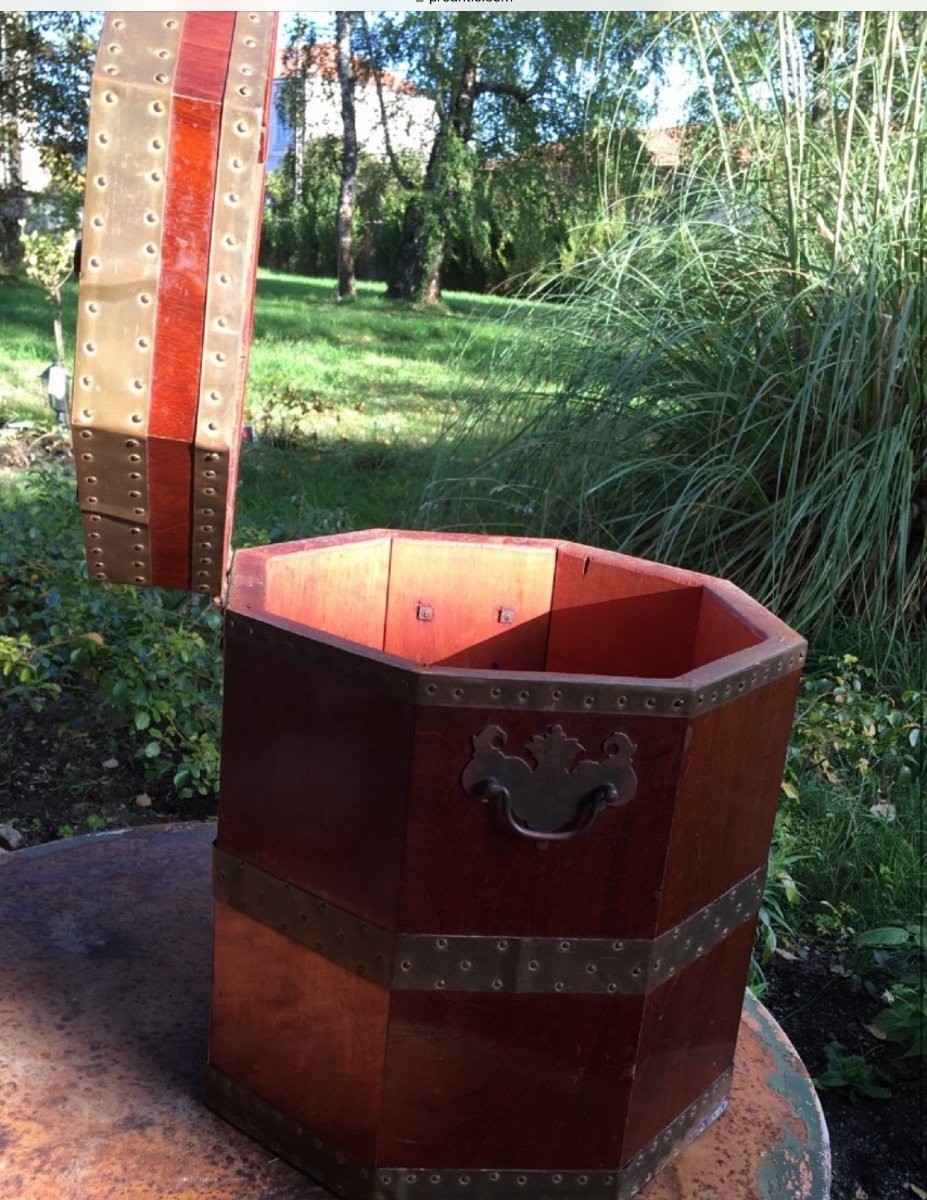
(412, 119)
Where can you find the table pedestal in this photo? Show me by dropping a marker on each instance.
(104, 1007)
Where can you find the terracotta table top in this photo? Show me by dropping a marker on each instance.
(103, 1016)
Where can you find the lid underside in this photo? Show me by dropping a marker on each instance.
(175, 180)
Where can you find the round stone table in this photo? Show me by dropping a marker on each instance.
(104, 1007)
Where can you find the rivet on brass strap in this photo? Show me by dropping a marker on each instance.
(482, 963)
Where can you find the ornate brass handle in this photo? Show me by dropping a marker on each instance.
(544, 802)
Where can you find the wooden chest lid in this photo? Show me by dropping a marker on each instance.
(172, 211)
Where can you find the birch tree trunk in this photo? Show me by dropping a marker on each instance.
(347, 287)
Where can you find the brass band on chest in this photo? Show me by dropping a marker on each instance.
(345, 1177)
(540, 691)
(494, 963)
(121, 248)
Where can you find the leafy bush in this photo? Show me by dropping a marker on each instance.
(852, 798)
(902, 948)
(141, 662)
(851, 1071)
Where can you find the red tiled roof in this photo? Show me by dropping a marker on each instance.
(322, 60)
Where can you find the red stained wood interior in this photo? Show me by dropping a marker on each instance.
(471, 589)
(688, 1035)
(465, 871)
(315, 770)
(507, 1081)
(727, 796)
(608, 620)
(719, 631)
(305, 1034)
(492, 606)
(338, 588)
(196, 108)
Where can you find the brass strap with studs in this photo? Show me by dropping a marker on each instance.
(543, 692)
(346, 1177)
(124, 204)
(229, 291)
(481, 963)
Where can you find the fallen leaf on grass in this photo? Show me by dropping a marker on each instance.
(880, 1036)
(111, 764)
(786, 954)
(143, 800)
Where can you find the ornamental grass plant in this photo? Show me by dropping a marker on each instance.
(734, 378)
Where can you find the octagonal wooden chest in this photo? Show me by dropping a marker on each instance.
(494, 823)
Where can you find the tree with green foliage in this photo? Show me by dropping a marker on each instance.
(46, 60)
(502, 85)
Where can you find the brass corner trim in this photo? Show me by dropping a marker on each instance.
(343, 1175)
(481, 963)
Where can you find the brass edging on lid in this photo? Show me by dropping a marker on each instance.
(345, 1176)
(481, 963)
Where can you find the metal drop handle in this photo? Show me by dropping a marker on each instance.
(543, 803)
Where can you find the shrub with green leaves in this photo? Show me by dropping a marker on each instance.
(145, 662)
(851, 1071)
(903, 948)
(852, 797)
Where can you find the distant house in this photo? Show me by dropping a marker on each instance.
(411, 116)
